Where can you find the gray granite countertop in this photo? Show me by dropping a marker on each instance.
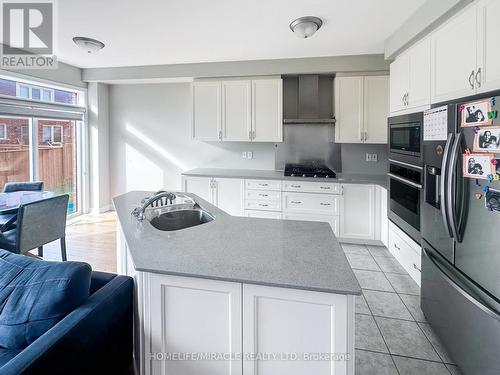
(281, 253)
(352, 178)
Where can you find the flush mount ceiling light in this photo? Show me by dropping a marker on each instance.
(88, 44)
(305, 27)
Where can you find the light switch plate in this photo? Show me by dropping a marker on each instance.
(249, 154)
(244, 155)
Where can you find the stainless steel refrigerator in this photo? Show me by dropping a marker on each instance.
(460, 227)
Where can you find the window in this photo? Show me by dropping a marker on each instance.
(52, 134)
(24, 91)
(3, 131)
(35, 92)
(25, 134)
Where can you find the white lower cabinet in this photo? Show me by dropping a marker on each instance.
(225, 193)
(228, 195)
(190, 315)
(357, 212)
(296, 324)
(260, 330)
(406, 251)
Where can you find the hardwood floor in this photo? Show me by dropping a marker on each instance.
(90, 239)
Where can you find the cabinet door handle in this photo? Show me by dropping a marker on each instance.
(263, 205)
(471, 79)
(407, 98)
(220, 135)
(253, 135)
(325, 187)
(403, 99)
(325, 204)
(296, 202)
(478, 77)
(366, 136)
(250, 134)
(295, 186)
(263, 195)
(415, 266)
(263, 184)
(397, 247)
(342, 190)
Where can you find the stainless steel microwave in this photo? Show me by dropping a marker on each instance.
(405, 138)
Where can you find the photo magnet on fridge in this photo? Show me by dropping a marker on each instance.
(487, 139)
(476, 113)
(478, 166)
(492, 200)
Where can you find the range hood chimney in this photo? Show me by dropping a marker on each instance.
(308, 99)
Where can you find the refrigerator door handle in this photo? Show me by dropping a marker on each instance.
(451, 188)
(488, 310)
(444, 179)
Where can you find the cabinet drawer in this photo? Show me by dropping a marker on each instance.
(274, 185)
(263, 195)
(263, 214)
(263, 205)
(311, 203)
(406, 255)
(332, 220)
(311, 187)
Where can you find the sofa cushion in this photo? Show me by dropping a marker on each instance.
(35, 295)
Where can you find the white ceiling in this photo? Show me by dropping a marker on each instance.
(149, 32)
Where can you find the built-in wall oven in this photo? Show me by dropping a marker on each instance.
(405, 189)
(405, 138)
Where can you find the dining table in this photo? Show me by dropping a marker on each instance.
(10, 202)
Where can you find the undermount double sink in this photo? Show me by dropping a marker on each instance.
(180, 219)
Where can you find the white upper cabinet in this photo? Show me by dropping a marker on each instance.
(236, 110)
(348, 98)
(376, 92)
(241, 110)
(361, 107)
(488, 58)
(410, 78)
(267, 110)
(419, 78)
(206, 111)
(453, 57)
(399, 82)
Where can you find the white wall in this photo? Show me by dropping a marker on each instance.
(98, 119)
(150, 142)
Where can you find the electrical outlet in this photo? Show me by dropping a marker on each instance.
(244, 155)
(249, 154)
(368, 157)
(374, 157)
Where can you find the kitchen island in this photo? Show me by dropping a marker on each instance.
(238, 295)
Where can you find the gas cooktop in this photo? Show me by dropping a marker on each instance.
(309, 170)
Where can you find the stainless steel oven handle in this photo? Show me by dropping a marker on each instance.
(443, 185)
(404, 180)
(450, 191)
(405, 164)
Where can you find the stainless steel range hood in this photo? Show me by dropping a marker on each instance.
(308, 99)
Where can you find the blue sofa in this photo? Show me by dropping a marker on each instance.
(94, 338)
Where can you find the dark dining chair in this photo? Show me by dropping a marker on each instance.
(38, 223)
(11, 187)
